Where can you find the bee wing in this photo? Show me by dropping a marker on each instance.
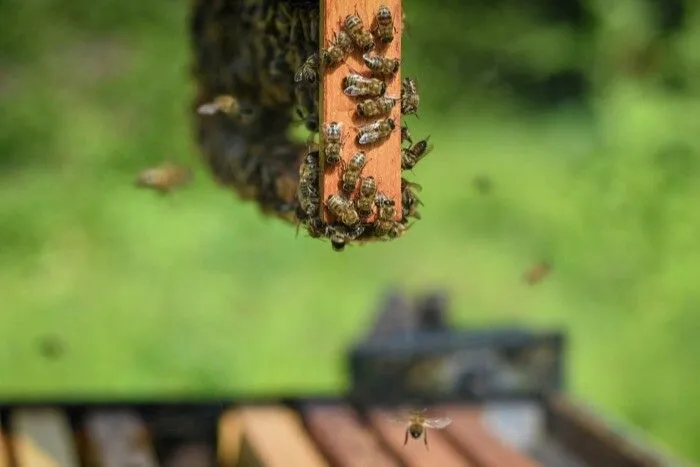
(353, 91)
(299, 75)
(209, 108)
(438, 423)
(367, 138)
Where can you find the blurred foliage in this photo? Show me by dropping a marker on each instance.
(579, 113)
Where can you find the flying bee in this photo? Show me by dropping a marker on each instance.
(356, 85)
(375, 107)
(409, 199)
(228, 105)
(355, 28)
(382, 67)
(343, 209)
(416, 424)
(409, 97)
(383, 25)
(308, 71)
(405, 135)
(351, 174)
(338, 51)
(333, 143)
(367, 196)
(536, 273)
(412, 155)
(376, 131)
(385, 215)
(164, 178)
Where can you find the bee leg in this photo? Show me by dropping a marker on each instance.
(425, 438)
(406, 438)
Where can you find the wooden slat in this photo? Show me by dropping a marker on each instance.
(469, 433)
(119, 438)
(4, 452)
(43, 438)
(414, 453)
(343, 438)
(278, 438)
(230, 434)
(384, 159)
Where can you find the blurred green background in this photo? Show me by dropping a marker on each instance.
(582, 115)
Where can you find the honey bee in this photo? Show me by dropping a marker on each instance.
(405, 135)
(382, 67)
(536, 273)
(417, 424)
(356, 85)
(343, 209)
(412, 155)
(351, 174)
(409, 199)
(307, 195)
(376, 107)
(376, 131)
(228, 105)
(367, 196)
(385, 215)
(333, 143)
(409, 97)
(164, 178)
(355, 28)
(383, 26)
(340, 237)
(338, 50)
(308, 71)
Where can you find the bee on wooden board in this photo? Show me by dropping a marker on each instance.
(353, 171)
(381, 67)
(356, 85)
(375, 107)
(366, 197)
(307, 195)
(164, 178)
(308, 72)
(409, 199)
(376, 131)
(410, 99)
(417, 424)
(412, 155)
(343, 209)
(383, 25)
(340, 237)
(333, 143)
(228, 105)
(405, 135)
(355, 28)
(338, 51)
(385, 215)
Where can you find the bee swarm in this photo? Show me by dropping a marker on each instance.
(260, 70)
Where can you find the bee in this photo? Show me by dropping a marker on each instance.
(382, 67)
(416, 424)
(412, 155)
(338, 50)
(343, 209)
(375, 107)
(340, 236)
(307, 195)
(409, 97)
(367, 196)
(351, 174)
(536, 273)
(405, 135)
(385, 215)
(228, 105)
(376, 131)
(356, 85)
(333, 143)
(383, 26)
(355, 28)
(409, 199)
(164, 178)
(308, 71)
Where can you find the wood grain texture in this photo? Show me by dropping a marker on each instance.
(472, 437)
(383, 159)
(44, 438)
(278, 438)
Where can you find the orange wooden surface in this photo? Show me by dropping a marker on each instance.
(230, 434)
(383, 159)
(4, 454)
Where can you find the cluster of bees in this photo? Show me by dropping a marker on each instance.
(257, 67)
(373, 103)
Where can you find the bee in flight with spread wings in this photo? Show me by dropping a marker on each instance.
(417, 422)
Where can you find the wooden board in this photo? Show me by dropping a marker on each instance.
(278, 438)
(343, 438)
(43, 438)
(4, 451)
(473, 438)
(383, 159)
(230, 434)
(118, 438)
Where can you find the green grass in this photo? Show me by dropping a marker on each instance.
(198, 293)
